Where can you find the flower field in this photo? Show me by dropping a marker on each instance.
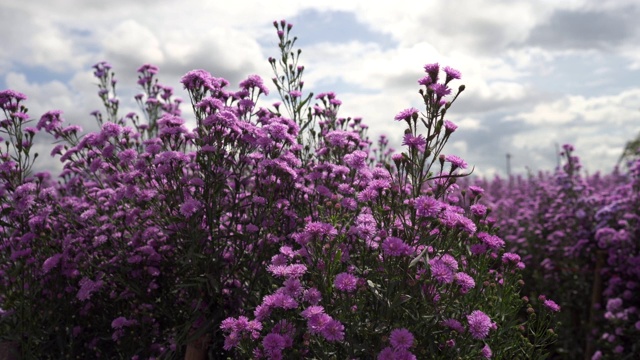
(281, 231)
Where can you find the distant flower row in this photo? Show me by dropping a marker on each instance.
(580, 239)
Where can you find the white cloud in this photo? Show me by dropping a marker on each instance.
(612, 111)
(501, 70)
(469, 123)
(133, 42)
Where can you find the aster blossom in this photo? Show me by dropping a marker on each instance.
(254, 81)
(451, 74)
(346, 282)
(479, 324)
(406, 114)
(401, 339)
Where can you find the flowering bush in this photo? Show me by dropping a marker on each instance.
(257, 234)
(578, 236)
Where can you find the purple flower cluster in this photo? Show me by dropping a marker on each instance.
(401, 341)
(479, 324)
(280, 232)
(577, 236)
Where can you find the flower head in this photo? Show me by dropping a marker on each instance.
(465, 281)
(415, 142)
(346, 282)
(451, 73)
(456, 162)
(551, 305)
(401, 339)
(453, 324)
(479, 324)
(393, 246)
(432, 70)
(195, 79)
(254, 81)
(406, 114)
(333, 331)
(449, 126)
(486, 352)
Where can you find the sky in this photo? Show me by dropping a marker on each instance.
(538, 74)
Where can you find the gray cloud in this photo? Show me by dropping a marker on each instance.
(585, 29)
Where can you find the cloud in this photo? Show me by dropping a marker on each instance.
(618, 110)
(548, 72)
(585, 29)
(130, 42)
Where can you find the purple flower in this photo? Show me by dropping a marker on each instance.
(449, 126)
(50, 120)
(479, 324)
(295, 270)
(450, 261)
(333, 331)
(451, 73)
(356, 159)
(486, 352)
(478, 210)
(110, 129)
(280, 300)
(551, 305)
(337, 138)
(614, 305)
(273, 342)
(510, 258)
(456, 162)
(394, 246)
(127, 156)
(440, 89)
(317, 322)
(492, 241)
(365, 225)
(292, 287)
(426, 81)
(231, 340)
(401, 339)
(121, 322)
(428, 207)
(453, 324)
(295, 94)
(432, 70)
(87, 288)
(254, 81)
(312, 311)
(406, 114)
(9, 100)
(465, 281)
(441, 271)
(312, 296)
(189, 207)
(151, 69)
(195, 79)
(345, 282)
(319, 229)
(415, 142)
(387, 354)
(51, 262)
(368, 194)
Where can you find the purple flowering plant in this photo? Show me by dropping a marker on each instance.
(256, 234)
(577, 235)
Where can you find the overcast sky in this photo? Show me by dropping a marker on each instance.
(537, 73)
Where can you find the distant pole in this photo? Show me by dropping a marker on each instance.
(558, 157)
(508, 165)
